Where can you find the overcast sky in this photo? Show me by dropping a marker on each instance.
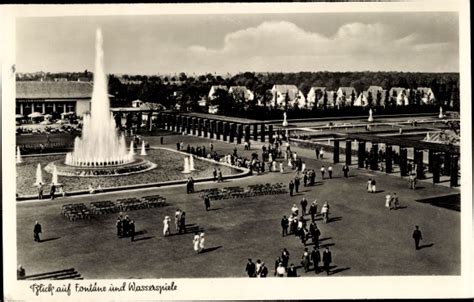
(425, 42)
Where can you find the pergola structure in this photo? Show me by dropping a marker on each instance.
(438, 154)
(230, 129)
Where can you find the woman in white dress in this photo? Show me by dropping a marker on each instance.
(388, 200)
(196, 242)
(281, 168)
(201, 242)
(166, 225)
(325, 212)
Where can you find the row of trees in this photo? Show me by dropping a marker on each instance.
(186, 90)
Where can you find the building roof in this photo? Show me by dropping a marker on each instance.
(215, 87)
(53, 90)
(347, 90)
(399, 90)
(284, 88)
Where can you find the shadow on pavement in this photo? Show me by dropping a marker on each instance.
(451, 202)
(210, 249)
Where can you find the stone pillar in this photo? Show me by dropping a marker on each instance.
(388, 159)
(187, 120)
(225, 131)
(247, 133)
(430, 160)
(374, 154)
(336, 151)
(240, 133)
(270, 133)
(21, 108)
(232, 132)
(436, 165)
(454, 170)
(255, 132)
(361, 154)
(193, 125)
(218, 129)
(148, 121)
(262, 132)
(348, 152)
(447, 163)
(403, 161)
(33, 108)
(199, 126)
(419, 164)
(43, 108)
(205, 127)
(212, 129)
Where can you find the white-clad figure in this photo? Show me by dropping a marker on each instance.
(274, 166)
(325, 212)
(388, 200)
(289, 163)
(201, 242)
(166, 225)
(281, 168)
(295, 156)
(196, 242)
(303, 167)
(270, 157)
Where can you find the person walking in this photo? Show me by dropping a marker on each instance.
(282, 169)
(280, 271)
(395, 201)
(330, 171)
(219, 175)
(131, 227)
(284, 226)
(52, 191)
(388, 201)
(292, 271)
(304, 204)
(417, 237)
(297, 183)
(118, 225)
(345, 170)
(369, 185)
(374, 183)
(313, 210)
(325, 212)
(305, 179)
(327, 259)
(323, 170)
(315, 233)
(263, 271)
(316, 258)
(196, 240)
(317, 152)
(182, 223)
(40, 191)
(285, 258)
(305, 260)
(291, 186)
(161, 140)
(207, 202)
(177, 217)
(166, 226)
(36, 231)
(321, 153)
(202, 239)
(214, 174)
(250, 269)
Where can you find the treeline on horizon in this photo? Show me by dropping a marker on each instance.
(187, 90)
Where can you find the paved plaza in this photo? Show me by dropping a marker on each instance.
(366, 239)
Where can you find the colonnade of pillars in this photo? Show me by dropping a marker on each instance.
(231, 132)
(435, 160)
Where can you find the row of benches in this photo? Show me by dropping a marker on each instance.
(239, 192)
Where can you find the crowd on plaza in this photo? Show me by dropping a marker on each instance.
(125, 227)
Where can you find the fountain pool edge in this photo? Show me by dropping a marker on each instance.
(244, 173)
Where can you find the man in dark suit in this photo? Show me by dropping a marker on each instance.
(291, 187)
(327, 259)
(52, 191)
(304, 204)
(284, 226)
(297, 184)
(345, 169)
(131, 228)
(292, 271)
(316, 258)
(313, 210)
(207, 202)
(417, 237)
(36, 231)
(250, 269)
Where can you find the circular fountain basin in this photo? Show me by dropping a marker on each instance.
(136, 166)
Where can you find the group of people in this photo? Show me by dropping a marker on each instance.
(314, 258)
(256, 270)
(217, 175)
(198, 242)
(319, 152)
(125, 227)
(52, 190)
(391, 201)
(179, 223)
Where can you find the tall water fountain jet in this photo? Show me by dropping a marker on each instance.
(19, 160)
(39, 175)
(186, 166)
(100, 143)
(132, 149)
(191, 163)
(143, 152)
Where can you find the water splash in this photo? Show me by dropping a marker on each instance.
(39, 175)
(100, 143)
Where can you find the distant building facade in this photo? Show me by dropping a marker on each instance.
(282, 93)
